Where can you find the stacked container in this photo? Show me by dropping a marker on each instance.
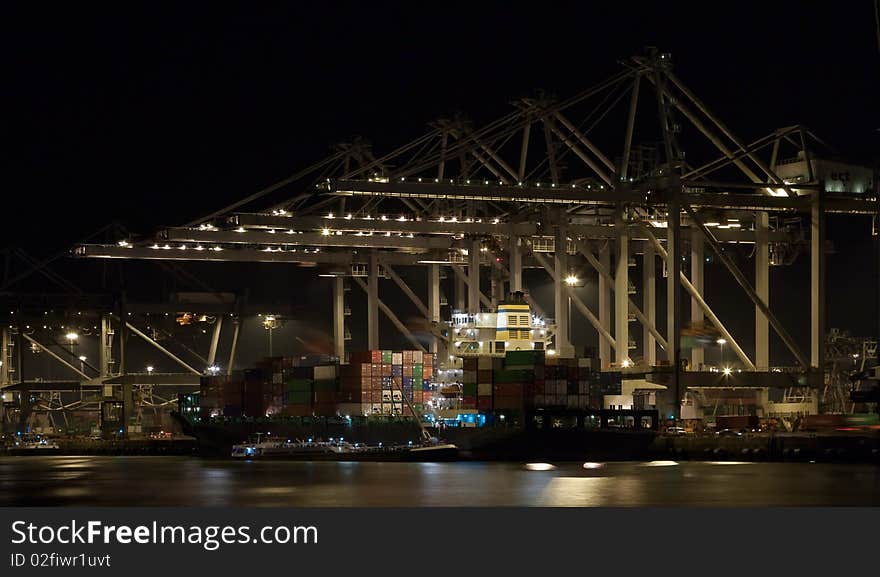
(298, 393)
(393, 375)
(469, 384)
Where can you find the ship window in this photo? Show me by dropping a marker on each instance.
(524, 320)
(499, 346)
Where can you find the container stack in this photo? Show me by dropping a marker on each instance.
(276, 386)
(357, 392)
(393, 375)
(603, 383)
(485, 383)
(297, 399)
(469, 384)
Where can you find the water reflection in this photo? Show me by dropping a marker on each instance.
(180, 481)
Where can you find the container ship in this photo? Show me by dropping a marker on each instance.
(500, 393)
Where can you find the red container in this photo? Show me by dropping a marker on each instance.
(296, 410)
(469, 403)
(408, 370)
(508, 402)
(324, 409)
(508, 390)
(484, 403)
(484, 375)
(325, 397)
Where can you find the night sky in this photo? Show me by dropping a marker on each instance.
(153, 114)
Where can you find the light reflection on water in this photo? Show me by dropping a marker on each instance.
(181, 481)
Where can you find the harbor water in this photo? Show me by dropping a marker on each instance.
(187, 481)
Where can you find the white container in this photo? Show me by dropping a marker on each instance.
(386, 396)
(377, 408)
(277, 378)
(325, 372)
(386, 408)
(588, 363)
(396, 358)
(417, 357)
(396, 396)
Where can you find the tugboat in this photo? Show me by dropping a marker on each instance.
(32, 444)
(261, 446)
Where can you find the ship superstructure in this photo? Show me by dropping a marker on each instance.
(512, 327)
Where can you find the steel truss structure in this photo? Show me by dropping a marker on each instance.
(636, 165)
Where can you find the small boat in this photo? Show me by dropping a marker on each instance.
(261, 446)
(32, 444)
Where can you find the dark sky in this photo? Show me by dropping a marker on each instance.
(153, 113)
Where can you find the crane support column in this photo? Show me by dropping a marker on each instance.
(621, 293)
(473, 303)
(673, 297)
(817, 281)
(605, 305)
(215, 340)
(697, 263)
(649, 304)
(105, 349)
(515, 264)
(434, 304)
(460, 305)
(339, 318)
(236, 326)
(762, 288)
(373, 302)
(4, 356)
(560, 294)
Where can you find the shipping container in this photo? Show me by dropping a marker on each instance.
(507, 390)
(484, 389)
(529, 357)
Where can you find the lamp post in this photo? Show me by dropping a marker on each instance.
(721, 343)
(82, 363)
(71, 340)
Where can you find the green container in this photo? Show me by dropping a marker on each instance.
(298, 385)
(386, 357)
(523, 358)
(417, 372)
(514, 376)
(299, 398)
(469, 390)
(326, 385)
